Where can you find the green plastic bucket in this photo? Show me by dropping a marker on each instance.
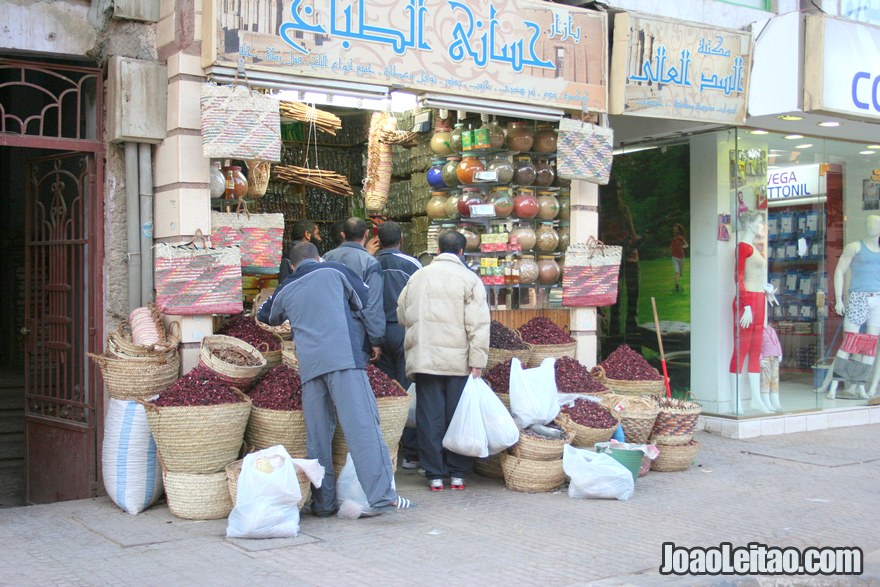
(631, 459)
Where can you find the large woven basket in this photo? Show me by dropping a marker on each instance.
(194, 496)
(140, 377)
(676, 421)
(273, 358)
(501, 355)
(540, 449)
(288, 355)
(198, 439)
(233, 470)
(120, 343)
(637, 415)
(490, 467)
(585, 437)
(539, 352)
(675, 457)
(238, 375)
(531, 476)
(624, 387)
(393, 412)
(284, 330)
(267, 428)
(505, 399)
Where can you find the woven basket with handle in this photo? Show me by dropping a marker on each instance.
(539, 352)
(137, 377)
(539, 448)
(675, 457)
(531, 476)
(267, 428)
(585, 437)
(393, 412)
(238, 375)
(624, 387)
(197, 496)
(676, 421)
(637, 415)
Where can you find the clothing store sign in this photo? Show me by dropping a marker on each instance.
(842, 67)
(665, 68)
(514, 50)
(799, 181)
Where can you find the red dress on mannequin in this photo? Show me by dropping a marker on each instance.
(747, 341)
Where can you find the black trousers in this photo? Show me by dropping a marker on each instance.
(438, 397)
(393, 364)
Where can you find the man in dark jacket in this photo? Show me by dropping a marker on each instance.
(304, 231)
(352, 254)
(319, 299)
(397, 268)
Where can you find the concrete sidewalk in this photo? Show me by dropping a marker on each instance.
(809, 489)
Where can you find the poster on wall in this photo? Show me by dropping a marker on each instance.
(514, 50)
(664, 68)
(870, 195)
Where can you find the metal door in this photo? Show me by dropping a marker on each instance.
(60, 414)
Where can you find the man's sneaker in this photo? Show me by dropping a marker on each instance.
(408, 464)
(436, 485)
(456, 483)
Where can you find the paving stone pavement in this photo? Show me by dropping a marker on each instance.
(809, 489)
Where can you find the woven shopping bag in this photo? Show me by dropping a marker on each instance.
(584, 151)
(198, 280)
(259, 236)
(590, 274)
(239, 123)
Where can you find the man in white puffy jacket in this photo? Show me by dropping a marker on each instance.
(446, 316)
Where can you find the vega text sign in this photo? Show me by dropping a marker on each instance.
(799, 181)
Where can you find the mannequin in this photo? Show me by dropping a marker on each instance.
(749, 310)
(861, 260)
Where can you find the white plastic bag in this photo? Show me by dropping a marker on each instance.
(350, 495)
(466, 434)
(596, 475)
(501, 430)
(533, 393)
(266, 498)
(411, 415)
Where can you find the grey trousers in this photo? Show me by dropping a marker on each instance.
(437, 397)
(347, 394)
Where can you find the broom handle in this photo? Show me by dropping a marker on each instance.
(660, 344)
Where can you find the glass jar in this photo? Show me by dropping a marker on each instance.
(444, 228)
(436, 206)
(472, 238)
(455, 137)
(449, 175)
(467, 167)
(218, 180)
(548, 205)
(548, 270)
(545, 139)
(528, 270)
(441, 141)
(503, 167)
(546, 239)
(435, 174)
(564, 237)
(496, 135)
(469, 197)
(503, 202)
(524, 236)
(564, 205)
(520, 136)
(452, 205)
(236, 180)
(544, 172)
(525, 205)
(524, 172)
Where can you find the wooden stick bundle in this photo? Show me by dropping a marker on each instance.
(324, 121)
(326, 180)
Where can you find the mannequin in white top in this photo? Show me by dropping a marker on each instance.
(749, 309)
(860, 261)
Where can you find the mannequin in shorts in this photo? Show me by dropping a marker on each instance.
(861, 260)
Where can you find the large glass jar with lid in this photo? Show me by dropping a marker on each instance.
(544, 172)
(524, 172)
(455, 137)
(525, 205)
(524, 236)
(467, 167)
(436, 206)
(564, 197)
(471, 236)
(528, 269)
(564, 237)
(435, 174)
(500, 198)
(545, 139)
(469, 197)
(520, 136)
(496, 135)
(449, 173)
(503, 167)
(218, 180)
(452, 205)
(441, 140)
(548, 205)
(546, 238)
(548, 270)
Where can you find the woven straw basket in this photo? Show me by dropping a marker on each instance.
(490, 467)
(138, 378)
(585, 437)
(531, 476)
(676, 421)
(637, 415)
(197, 496)
(120, 343)
(198, 439)
(540, 449)
(233, 470)
(623, 387)
(284, 330)
(675, 457)
(288, 355)
(501, 355)
(505, 399)
(267, 428)
(393, 412)
(273, 358)
(238, 375)
(539, 352)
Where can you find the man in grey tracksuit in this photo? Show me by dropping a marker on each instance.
(318, 299)
(371, 319)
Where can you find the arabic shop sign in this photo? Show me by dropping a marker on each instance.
(671, 69)
(515, 50)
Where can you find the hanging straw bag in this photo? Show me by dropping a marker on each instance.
(239, 123)
(192, 280)
(259, 237)
(585, 151)
(590, 275)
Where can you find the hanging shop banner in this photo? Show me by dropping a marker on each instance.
(514, 50)
(798, 181)
(841, 67)
(671, 69)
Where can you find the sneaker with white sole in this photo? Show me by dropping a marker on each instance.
(436, 485)
(408, 464)
(456, 483)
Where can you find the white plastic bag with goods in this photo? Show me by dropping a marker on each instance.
(466, 434)
(411, 415)
(533, 393)
(350, 495)
(501, 430)
(596, 475)
(267, 496)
